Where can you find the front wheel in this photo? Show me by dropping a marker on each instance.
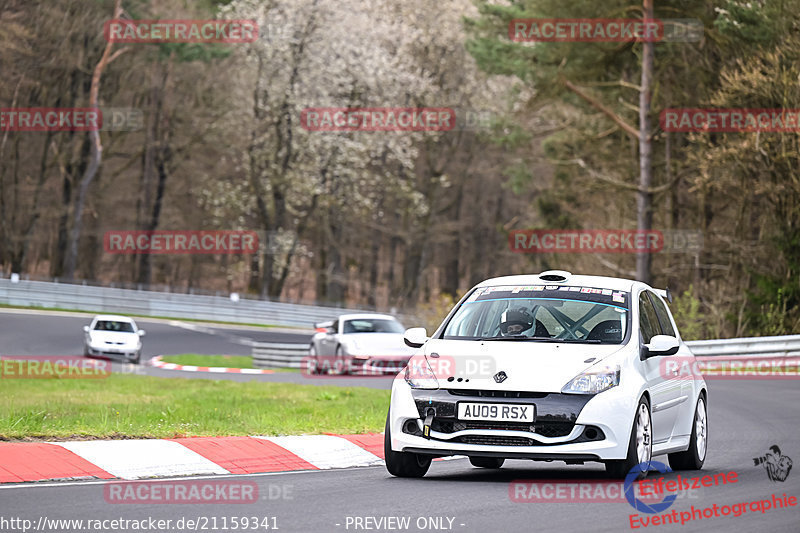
(341, 364)
(313, 359)
(640, 446)
(695, 456)
(403, 464)
(487, 462)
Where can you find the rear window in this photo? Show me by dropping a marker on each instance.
(544, 313)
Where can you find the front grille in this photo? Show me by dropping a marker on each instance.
(495, 440)
(496, 393)
(554, 429)
(451, 426)
(544, 428)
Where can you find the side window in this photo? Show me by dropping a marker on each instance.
(648, 321)
(663, 315)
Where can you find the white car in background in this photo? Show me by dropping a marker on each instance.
(359, 343)
(113, 336)
(567, 368)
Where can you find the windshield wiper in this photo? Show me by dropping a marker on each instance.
(511, 338)
(544, 339)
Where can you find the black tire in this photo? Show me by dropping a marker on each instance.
(403, 464)
(487, 462)
(340, 366)
(619, 469)
(694, 457)
(313, 357)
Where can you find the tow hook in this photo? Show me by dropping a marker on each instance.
(426, 426)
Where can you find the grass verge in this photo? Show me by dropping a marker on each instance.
(229, 361)
(226, 361)
(125, 406)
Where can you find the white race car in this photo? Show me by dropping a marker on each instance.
(113, 336)
(550, 367)
(359, 343)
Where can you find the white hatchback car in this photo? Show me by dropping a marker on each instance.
(550, 367)
(113, 336)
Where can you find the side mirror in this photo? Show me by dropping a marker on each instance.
(660, 345)
(140, 333)
(415, 337)
(86, 329)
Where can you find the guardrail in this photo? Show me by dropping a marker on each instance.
(162, 304)
(273, 355)
(779, 346)
(278, 355)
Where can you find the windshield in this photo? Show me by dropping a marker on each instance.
(542, 313)
(113, 325)
(372, 325)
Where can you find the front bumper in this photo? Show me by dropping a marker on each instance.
(377, 365)
(566, 426)
(113, 352)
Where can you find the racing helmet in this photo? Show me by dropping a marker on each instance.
(515, 317)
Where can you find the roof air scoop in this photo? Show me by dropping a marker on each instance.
(557, 276)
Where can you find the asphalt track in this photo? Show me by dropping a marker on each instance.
(746, 418)
(52, 333)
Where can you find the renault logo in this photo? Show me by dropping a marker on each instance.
(500, 377)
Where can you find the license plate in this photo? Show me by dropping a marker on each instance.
(503, 412)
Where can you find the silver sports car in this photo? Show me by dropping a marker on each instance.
(359, 343)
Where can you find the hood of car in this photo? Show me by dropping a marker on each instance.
(376, 344)
(101, 337)
(525, 365)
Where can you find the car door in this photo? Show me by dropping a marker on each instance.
(667, 328)
(664, 390)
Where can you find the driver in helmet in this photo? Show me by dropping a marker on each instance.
(515, 321)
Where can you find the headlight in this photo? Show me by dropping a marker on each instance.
(418, 374)
(593, 381)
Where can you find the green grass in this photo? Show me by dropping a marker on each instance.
(126, 406)
(229, 361)
(226, 361)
